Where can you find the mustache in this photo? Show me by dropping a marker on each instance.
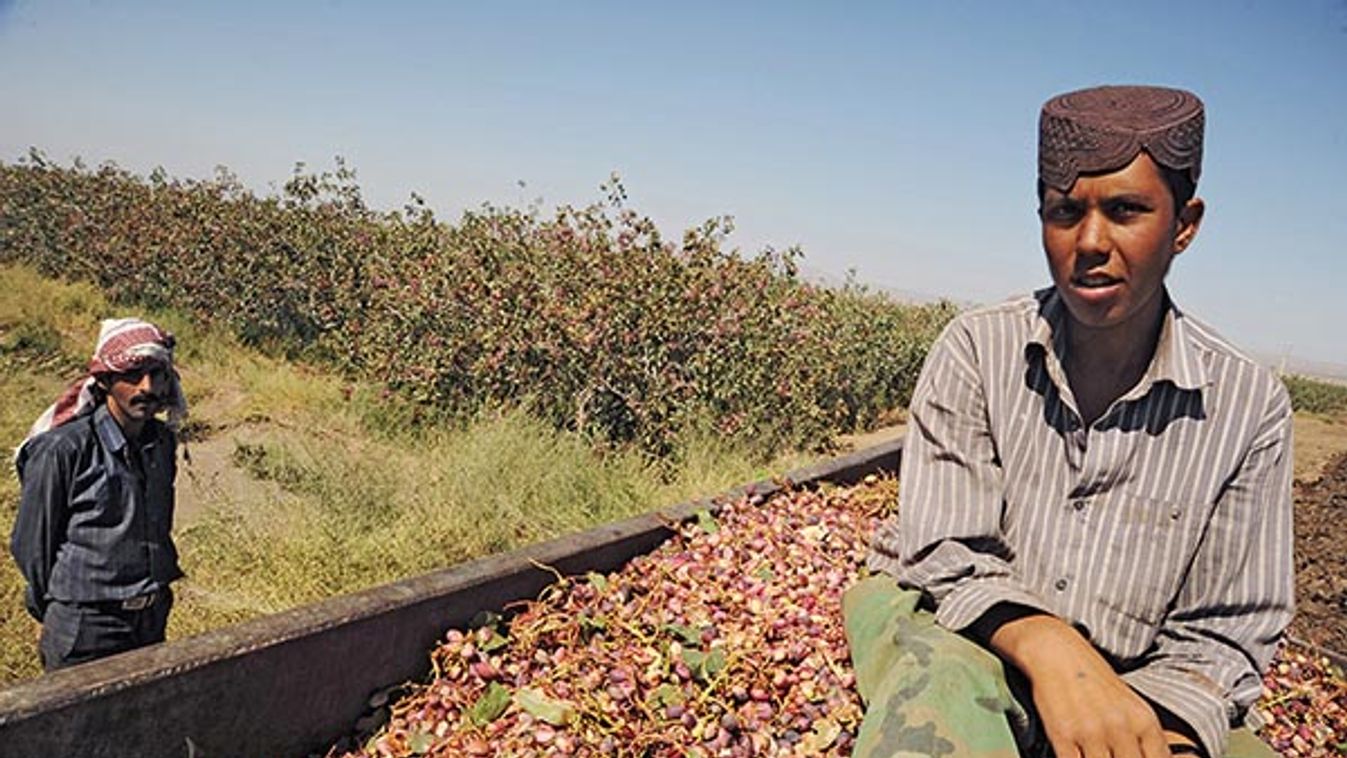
(147, 397)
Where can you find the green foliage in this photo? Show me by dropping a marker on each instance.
(589, 316)
(1314, 396)
(490, 705)
(544, 708)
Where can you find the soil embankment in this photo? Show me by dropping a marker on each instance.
(1321, 561)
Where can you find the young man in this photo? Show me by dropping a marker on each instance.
(92, 536)
(1092, 554)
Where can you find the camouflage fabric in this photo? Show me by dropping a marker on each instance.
(928, 692)
(931, 692)
(1245, 744)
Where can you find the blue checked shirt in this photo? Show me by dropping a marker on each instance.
(95, 513)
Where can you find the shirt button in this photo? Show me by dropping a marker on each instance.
(1078, 505)
(1060, 585)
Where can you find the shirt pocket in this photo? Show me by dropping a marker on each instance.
(1148, 546)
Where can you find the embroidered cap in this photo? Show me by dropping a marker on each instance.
(1103, 129)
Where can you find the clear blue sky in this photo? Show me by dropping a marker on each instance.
(896, 139)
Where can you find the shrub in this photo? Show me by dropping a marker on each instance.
(589, 316)
(1313, 396)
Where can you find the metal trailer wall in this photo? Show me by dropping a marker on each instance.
(295, 682)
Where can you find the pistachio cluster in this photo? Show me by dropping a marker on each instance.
(1304, 706)
(725, 641)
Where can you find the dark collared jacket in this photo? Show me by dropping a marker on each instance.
(96, 512)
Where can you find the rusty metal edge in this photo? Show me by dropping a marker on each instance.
(108, 677)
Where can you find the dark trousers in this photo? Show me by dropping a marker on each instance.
(77, 632)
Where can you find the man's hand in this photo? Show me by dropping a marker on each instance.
(1087, 710)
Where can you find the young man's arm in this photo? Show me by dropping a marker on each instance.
(1085, 707)
(39, 528)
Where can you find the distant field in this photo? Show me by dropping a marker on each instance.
(1332, 373)
(1316, 396)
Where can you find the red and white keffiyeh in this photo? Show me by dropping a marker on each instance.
(124, 344)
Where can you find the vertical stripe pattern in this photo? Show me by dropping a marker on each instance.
(1162, 530)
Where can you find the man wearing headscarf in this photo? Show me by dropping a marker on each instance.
(1092, 553)
(93, 532)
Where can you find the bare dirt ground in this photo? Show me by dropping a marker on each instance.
(1321, 561)
(212, 478)
(1318, 440)
(1321, 532)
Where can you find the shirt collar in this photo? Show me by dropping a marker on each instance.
(109, 431)
(1176, 358)
(1049, 327)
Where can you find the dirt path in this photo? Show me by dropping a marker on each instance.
(1318, 440)
(212, 478)
(1321, 561)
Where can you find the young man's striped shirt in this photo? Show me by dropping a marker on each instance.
(1162, 530)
